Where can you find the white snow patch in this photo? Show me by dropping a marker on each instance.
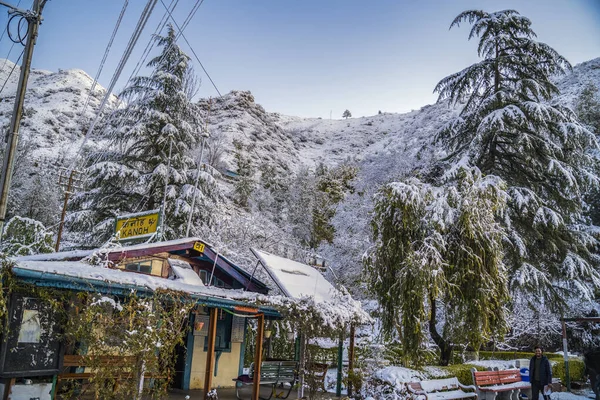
(398, 375)
(295, 279)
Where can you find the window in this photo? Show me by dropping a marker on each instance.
(144, 267)
(204, 275)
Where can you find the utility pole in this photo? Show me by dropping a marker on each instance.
(34, 19)
(70, 186)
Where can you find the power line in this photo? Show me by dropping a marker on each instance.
(192, 49)
(148, 48)
(106, 51)
(11, 71)
(126, 54)
(6, 28)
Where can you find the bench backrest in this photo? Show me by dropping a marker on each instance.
(438, 385)
(487, 378)
(509, 376)
(276, 370)
(71, 360)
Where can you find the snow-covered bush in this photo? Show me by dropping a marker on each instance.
(25, 236)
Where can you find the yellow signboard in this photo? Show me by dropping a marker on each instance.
(137, 225)
(199, 247)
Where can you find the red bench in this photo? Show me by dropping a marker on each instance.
(490, 383)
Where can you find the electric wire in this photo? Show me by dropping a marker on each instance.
(192, 49)
(161, 25)
(6, 27)
(13, 43)
(11, 71)
(6, 58)
(144, 56)
(106, 51)
(126, 54)
(150, 44)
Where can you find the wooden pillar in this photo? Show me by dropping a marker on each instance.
(351, 360)
(260, 333)
(210, 355)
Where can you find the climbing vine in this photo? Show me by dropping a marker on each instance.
(142, 332)
(127, 342)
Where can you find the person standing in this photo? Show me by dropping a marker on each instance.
(540, 374)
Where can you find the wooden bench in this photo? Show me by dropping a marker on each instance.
(124, 363)
(442, 389)
(490, 383)
(274, 373)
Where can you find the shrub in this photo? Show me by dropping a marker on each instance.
(505, 355)
(462, 372)
(576, 370)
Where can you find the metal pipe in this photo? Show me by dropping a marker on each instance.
(197, 180)
(338, 387)
(566, 355)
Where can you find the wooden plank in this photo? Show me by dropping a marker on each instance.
(210, 355)
(260, 332)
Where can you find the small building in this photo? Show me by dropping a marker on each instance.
(186, 265)
(224, 297)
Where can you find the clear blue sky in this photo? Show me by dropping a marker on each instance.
(310, 57)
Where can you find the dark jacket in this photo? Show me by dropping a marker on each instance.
(545, 371)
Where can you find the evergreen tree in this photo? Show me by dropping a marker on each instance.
(25, 237)
(510, 127)
(587, 107)
(314, 197)
(438, 253)
(131, 175)
(244, 185)
(347, 114)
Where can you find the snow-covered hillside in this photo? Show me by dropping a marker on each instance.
(385, 147)
(52, 119)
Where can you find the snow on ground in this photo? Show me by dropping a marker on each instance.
(398, 375)
(566, 396)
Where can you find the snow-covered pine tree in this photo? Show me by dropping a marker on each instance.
(244, 185)
(587, 107)
(510, 127)
(25, 237)
(130, 175)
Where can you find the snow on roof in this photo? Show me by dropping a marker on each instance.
(62, 255)
(184, 272)
(143, 246)
(78, 269)
(295, 279)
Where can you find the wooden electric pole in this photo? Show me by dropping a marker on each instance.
(72, 183)
(34, 18)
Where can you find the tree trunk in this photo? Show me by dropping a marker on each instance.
(445, 346)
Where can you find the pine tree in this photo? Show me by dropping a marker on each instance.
(510, 127)
(347, 114)
(244, 185)
(25, 236)
(313, 199)
(130, 176)
(587, 107)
